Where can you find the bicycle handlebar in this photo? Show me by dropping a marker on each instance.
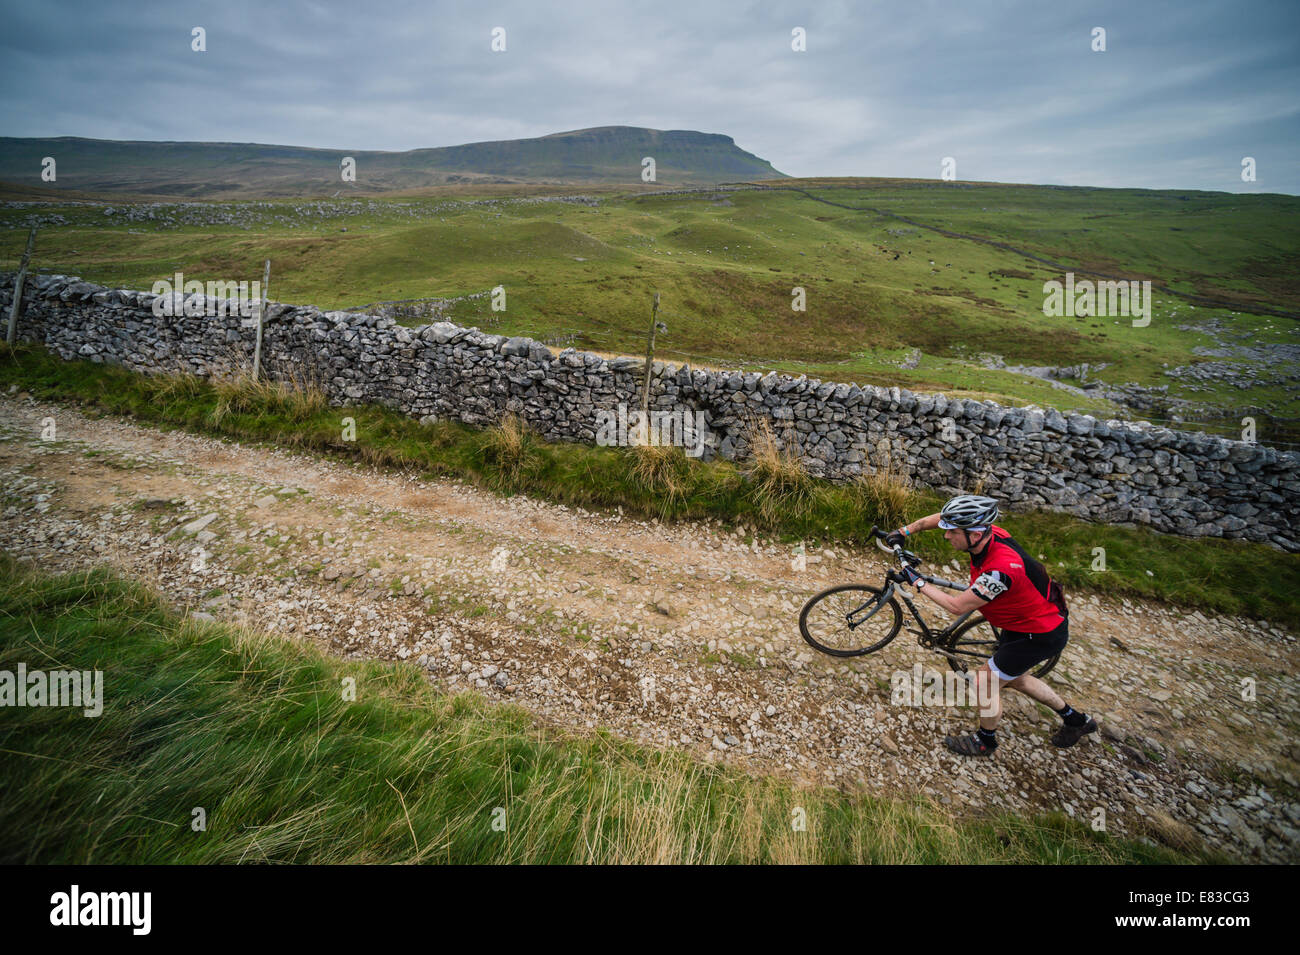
(911, 559)
(904, 556)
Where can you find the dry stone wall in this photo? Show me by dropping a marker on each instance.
(1108, 471)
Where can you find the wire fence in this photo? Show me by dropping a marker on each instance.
(1227, 428)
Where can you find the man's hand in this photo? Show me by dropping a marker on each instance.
(911, 575)
(896, 539)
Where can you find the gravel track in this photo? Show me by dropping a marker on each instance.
(681, 635)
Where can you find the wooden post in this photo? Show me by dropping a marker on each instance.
(649, 366)
(12, 330)
(261, 311)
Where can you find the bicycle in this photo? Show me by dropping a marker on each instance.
(840, 632)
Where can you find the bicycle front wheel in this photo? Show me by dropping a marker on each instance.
(839, 621)
(973, 643)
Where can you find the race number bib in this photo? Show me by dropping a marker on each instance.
(991, 584)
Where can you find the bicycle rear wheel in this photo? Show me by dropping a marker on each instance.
(836, 622)
(974, 642)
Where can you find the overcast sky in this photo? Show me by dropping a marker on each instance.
(1011, 89)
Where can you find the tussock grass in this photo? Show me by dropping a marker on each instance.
(177, 387)
(1194, 573)
(294, 398)
(508, 448)
(887, 491)
(782, 486)
(663, 471)
(255, 730)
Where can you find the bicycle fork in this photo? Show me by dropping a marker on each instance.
(876, 606)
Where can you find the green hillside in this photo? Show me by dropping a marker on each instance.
(926, 285)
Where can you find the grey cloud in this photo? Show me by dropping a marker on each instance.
(1009, 87)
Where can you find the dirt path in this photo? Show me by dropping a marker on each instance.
(676, 635)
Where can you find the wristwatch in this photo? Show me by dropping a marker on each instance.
(920, 582)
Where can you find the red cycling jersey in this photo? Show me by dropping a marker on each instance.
(1018, 591)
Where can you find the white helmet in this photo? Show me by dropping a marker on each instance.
(969, 512)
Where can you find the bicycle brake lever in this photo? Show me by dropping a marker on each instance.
(899, 554)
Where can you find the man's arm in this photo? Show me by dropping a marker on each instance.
(901, 535)
(955, 603)
(928, 523)
(990, 585)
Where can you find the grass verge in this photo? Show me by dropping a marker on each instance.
(256, 732)
(1209, 574)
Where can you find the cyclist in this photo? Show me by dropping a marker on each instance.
(1015, 594)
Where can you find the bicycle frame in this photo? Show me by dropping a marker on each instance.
(926, 637)
(966, 641)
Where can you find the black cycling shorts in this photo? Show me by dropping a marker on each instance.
(1017, 652)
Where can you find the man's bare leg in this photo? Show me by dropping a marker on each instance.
(1036, 689)
(1076, 725)
(988, 697)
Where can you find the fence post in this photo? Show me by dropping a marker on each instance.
(261, 311)
(12, 330)
(649, 363)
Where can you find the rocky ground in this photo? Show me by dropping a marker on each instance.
(676, 635)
